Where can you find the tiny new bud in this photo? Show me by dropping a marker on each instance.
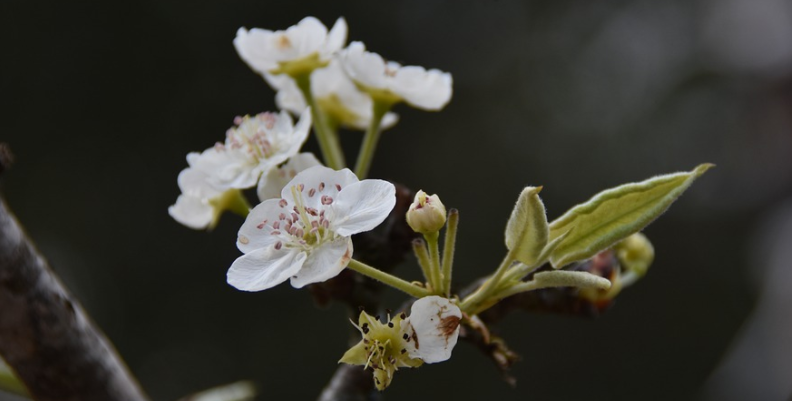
(427, 214)
(635, 253)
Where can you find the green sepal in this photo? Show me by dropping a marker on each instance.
(355, 355)
(527, 230)
(616, 213)
(300, 67)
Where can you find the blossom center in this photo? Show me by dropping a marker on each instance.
(385, 345)
(299, 225)
(252, 136)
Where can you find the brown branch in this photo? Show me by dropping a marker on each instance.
(45, 336)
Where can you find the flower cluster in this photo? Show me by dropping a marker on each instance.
(302, 228)
(254, 146)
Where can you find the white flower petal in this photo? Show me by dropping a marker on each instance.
(270, 185)
(306, 37)
(293, 137)
(249, 46)
(324, 263)
(366, 68)
(255, 233)
(288, 96)
(192, 212)
(362, 206)
(196, 183)
(428, 90)
(435, 325)
(323, 179)
(336, 38)
(264, 268)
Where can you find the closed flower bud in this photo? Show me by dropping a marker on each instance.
(427, 214)
(635, 253)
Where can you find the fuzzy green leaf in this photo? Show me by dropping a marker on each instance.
(616, 213)
(564, 278)
(527, 229)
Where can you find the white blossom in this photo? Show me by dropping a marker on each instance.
(255, 146)
(298, 49)
(428, 335)
(428, 90)
(200, 204)
(305, 236)
(335, 94)
(194, 207)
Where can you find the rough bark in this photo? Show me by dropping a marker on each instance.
(45, 336)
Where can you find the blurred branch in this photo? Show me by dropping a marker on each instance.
(45, 336)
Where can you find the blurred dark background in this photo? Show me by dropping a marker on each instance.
(101, 101)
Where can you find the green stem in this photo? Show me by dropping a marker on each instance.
(237, 203)
(328, 139)
(448, 249)
(385, 278)
(369, 145)
(419, 247)
(432, 239)
(490, 286)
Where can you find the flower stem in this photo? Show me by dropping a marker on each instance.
(432, 239)
(237, 203)
(369, 145)
(448, 249)
(388, 279)
(419, 247)
(485, 292)
(327, 137)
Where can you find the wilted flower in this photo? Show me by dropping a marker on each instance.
(336, 95)
(305, 235)
(428, 335)
(298, 50)
(391, 82)
(256, 145)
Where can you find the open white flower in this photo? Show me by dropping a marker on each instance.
(428, 335)
(305, 235)
(255, 146)
(270, 185)
(335, 94)
(299, 49)
(391, 82)
(200, 204)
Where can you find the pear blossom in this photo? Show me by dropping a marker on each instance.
(194, 207)
(389, 81)
(255, 146)
(335, 94)
(305, 236)
(200, 204)
(271, 184)
(297, 50)
(428, 335)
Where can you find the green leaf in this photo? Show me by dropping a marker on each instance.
(527, 230)
(616, 213)
(564, 278)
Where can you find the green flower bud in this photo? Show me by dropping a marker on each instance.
(427, 214)
(635, 253)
